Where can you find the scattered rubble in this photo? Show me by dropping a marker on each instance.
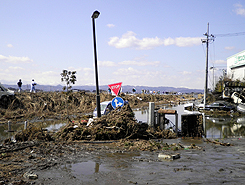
(169, 157)
(217, 142)
(30, 175)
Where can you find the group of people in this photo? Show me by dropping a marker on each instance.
(33, 84)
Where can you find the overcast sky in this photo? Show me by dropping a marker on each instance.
(139, 42)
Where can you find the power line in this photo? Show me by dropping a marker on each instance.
(229, 34)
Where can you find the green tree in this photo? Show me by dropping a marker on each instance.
(220, 84)
(69, 78)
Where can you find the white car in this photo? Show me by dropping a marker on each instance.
(105, 108)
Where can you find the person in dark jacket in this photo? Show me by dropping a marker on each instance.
(19, 85)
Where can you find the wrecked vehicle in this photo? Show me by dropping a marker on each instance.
(105, 108)
(237, 98)
(6, 95)
(220, 105)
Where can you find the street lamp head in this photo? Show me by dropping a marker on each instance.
(95, 14)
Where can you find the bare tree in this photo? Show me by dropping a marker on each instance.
(69, 77)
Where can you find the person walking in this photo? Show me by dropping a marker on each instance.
(19, 83)
(33, 84)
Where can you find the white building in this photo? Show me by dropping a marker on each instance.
(236, 66)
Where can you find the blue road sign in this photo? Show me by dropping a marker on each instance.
(117, 102)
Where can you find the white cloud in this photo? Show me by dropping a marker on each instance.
(128, 72)
(129, 40)
(11, 70)
(139, 63)
(186, 72)
(187, 41)
(106, 63)
(169, 41)
(239, 9)
(229, 47)
(15, 60)
(110, 25)
(220, 62)
(149, 43)
(49, 73)
(15, 68)
(183, 41)
(9, 45)
(85, 76)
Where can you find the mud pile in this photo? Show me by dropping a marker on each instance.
(32, 134)
(118, 124)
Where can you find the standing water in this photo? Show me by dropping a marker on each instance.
(214, 127)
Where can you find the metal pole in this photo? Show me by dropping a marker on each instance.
(25, 125)
(176, 124)
(96, 73)
(206, 74)
(151, 114)
(9, 126)
(213, 80)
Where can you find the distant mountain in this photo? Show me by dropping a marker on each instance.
(126, 88)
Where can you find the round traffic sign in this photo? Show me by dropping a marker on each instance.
(117, 102)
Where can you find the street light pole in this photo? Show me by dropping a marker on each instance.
(94, 16)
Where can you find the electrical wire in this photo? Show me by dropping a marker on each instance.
(229, 34)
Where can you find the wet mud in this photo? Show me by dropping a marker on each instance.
(123, 162)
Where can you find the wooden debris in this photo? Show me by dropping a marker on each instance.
(217, 142)
(166, 111)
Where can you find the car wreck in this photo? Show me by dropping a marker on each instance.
(6, 96)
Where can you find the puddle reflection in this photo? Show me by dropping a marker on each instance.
(84, 168)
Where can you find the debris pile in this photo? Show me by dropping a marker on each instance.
(32, 134)
(118, 124)
(154, 145)
(53, 104)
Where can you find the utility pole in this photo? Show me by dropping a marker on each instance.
(207, 40)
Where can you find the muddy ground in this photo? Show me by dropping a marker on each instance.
(123, 162)
(114, 149)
